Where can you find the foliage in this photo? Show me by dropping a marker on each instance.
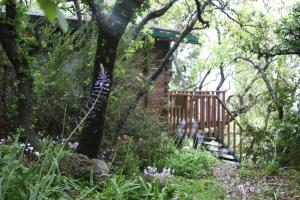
(197, 189)
(287, 32)
(61, 84)
(189, 163)
(52, 11)
(289, 139)
(120, 188)
(26, 176)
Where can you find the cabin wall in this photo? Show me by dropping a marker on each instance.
(156, 99)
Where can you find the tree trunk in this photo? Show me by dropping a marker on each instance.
(91, 135)
(110, 33)
(78, 12)
(20, 63)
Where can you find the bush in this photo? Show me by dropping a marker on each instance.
(272, 168)
(189, 163)
(289, 140)
(136, 153)
(203, 189)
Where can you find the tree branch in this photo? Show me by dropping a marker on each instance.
(223, 78)
(203, 80)
(150, 16)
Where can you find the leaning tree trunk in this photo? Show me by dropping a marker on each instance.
(110, 33)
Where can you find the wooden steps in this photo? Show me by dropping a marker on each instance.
(220, 150)
(205, 112)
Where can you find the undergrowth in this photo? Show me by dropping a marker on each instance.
(25, 176)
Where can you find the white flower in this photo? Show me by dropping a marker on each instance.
(37, 153)
(162, 176)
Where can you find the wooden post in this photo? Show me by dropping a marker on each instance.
(219, 118)
(213, 113)
(234, 136)
(223, 118)
(202, 112)
(228, 130)
(177, 117)
(186, 111)
(191, 109)
(208, 123)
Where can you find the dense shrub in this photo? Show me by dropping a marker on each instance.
(189, 163)
(289, 139)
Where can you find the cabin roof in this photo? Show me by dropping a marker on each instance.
(172, 35)
(163, 34)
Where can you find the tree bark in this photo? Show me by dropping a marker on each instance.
(8, 40)
(110, 32)
(78, 12)
(223, 78)
(203, 80)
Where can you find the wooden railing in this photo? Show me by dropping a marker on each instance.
(209, 110)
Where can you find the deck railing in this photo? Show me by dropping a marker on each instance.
(209, 110)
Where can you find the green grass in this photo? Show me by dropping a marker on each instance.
(197, 189)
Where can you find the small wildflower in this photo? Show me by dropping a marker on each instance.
(73, 145)
(162, 176)
(36, 153)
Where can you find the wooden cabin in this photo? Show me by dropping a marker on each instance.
(205, 110)
(156, 99)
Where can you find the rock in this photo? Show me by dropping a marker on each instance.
(100, 167)
(80, 166)
(76, 165)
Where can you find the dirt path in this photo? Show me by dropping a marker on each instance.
(266, 187)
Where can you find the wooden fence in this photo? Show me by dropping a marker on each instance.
(209, 110)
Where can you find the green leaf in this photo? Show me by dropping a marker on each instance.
(62, 22)
(49, 9)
